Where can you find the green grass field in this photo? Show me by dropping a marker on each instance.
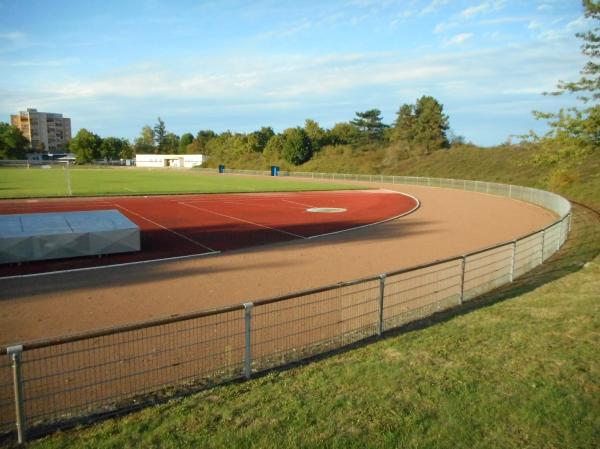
(59, 181)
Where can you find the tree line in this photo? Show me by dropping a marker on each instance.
(421, 128)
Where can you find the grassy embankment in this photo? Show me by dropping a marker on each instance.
(520, 371)
(58, 181)
(576, 176)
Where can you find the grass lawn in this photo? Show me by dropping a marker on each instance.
(520, 370)
(56, 181)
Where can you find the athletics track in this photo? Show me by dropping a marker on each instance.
(177, 226)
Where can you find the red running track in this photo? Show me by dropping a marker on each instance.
(187, 225)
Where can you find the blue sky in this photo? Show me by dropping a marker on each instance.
(115, 66)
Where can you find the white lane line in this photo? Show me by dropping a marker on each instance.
(244, 221)
(253, 204)
(115, 265)
(300, 204)
(418, 204)
(36, 205)
(167, 229)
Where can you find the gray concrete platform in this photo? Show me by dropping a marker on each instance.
(57, 235)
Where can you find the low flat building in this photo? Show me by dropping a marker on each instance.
(46, 131)
(168, 160)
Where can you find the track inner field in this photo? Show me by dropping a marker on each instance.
(189, 225)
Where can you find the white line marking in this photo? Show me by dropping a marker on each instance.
(56, 205)
(377, 222)
(244, 221)
(116, 265)
(166, 229)
(68, 176)
(300, 204)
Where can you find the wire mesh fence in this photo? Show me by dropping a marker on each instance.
(46, 384)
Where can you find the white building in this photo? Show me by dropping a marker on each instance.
(168, 160)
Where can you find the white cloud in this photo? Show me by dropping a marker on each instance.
(484, 7)
(433, 6)
(578, 24)
(444, 26)
(459, 39)
(288, 29)
(504, 20)
(13, 36)
(474, 10)
(39, 63)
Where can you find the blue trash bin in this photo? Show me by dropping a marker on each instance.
(274, 170)
(221, 169)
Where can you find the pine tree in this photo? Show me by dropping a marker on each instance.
(575, 123)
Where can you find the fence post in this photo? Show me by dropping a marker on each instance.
(381, 296)
(248, 351)
(510, 191)
(14, 352)
(512, 260)
(543, 244)
(462, 279)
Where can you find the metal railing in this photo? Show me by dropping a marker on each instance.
(52, 382)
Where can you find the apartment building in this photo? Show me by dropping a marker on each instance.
(46, 131)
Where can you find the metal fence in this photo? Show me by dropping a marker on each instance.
(47, 384)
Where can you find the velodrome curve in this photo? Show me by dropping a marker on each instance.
(448, 223)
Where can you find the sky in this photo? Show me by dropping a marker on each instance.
(115, 66)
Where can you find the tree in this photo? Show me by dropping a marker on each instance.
(422, 127)
(199, 145)
(114, 148)
(86, 146)
(145, 143)
(370, 123)
(186, 139)
(110, 148)
(343, 133)
(582, 125)
(258, 140)
(297, 148)
(126, 150)
(431, 125)
(13, 144)
(160, 132)
(404, 128)
(170, 143)
(316, 134)
(273, 151)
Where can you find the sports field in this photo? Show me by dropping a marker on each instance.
(60, 181)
